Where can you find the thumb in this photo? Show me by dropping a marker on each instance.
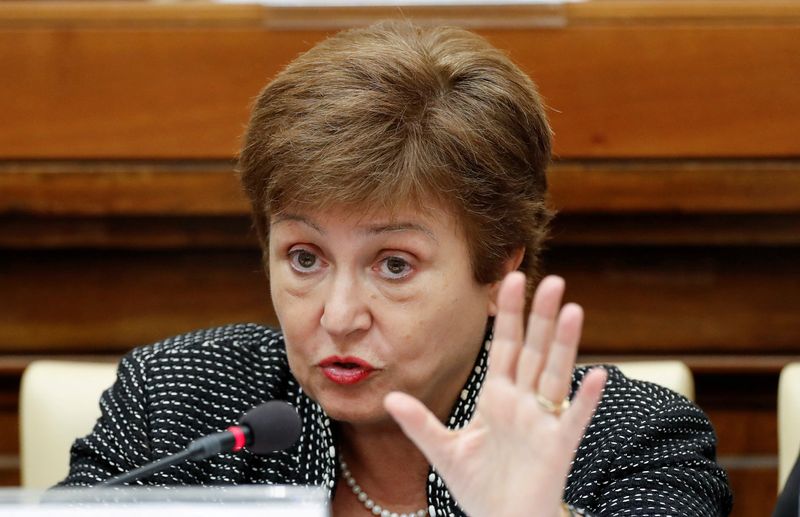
(420, 425)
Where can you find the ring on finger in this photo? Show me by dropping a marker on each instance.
(554, 408)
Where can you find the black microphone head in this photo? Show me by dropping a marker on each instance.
(274, 426)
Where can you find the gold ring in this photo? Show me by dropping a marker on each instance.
(550, 406)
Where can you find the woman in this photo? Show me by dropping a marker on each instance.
(397, 179)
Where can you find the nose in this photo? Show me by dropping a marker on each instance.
(346, 310)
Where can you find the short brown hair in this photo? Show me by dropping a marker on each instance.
(395, 114)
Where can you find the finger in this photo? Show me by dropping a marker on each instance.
(584, 403)
(554, 383)
(539, 334)
(420, 425)
(507, 337)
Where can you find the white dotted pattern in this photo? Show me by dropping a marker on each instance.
(647, 451)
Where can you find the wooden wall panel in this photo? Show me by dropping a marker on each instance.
(742, 409)
(638, 300)
(696, 300)
(9, 428)
(91, 301)
(129, 93)
(210, 188)
(121, 189)
(18, 232)
(175, 90)
(666, 91)
(676, 186)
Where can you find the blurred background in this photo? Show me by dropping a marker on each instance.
(677, 181)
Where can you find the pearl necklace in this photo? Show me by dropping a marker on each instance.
(368, 503)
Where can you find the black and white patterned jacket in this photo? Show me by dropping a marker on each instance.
(647, 450)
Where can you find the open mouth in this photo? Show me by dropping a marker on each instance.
(348, 366)
(346, 370)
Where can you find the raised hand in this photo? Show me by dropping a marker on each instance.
(514, 456)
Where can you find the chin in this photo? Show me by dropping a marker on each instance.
(355, 411)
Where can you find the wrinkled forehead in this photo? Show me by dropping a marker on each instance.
(402, 213)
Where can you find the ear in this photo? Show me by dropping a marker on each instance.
(510, 264)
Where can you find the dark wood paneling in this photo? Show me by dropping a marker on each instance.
(688, 300)
(742, 409)
(9, 428)
(48, 232)
(602, 229)
(653, 300)
(754, 491)
(9, 437)
(103, 301)
(19, 232)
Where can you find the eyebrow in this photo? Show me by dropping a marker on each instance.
(299, 218)
(370, 230)
(400, 227)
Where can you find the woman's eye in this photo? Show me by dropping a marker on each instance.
(395, 268)
(304, 261)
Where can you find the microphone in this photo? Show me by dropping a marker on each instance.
(272, 426)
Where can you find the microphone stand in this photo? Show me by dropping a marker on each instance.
(199, 449)
(272, 426)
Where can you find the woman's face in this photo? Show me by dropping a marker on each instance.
(370, 305)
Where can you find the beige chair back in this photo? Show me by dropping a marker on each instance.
(788, 421)
(674, 375)
(58, 403)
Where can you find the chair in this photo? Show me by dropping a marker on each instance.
(58, 403)
(788, 421)
(674, 375)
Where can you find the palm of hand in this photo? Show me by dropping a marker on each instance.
(514, 456)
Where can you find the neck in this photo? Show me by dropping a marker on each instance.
(386, 464)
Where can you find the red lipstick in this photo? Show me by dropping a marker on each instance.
(345, 370)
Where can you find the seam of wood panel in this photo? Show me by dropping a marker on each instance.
(125, 14)
(17, 14)
(683, 12)
(112, 166)
(9, 461)
(20, 14)
(748, 462)
(475, 17)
